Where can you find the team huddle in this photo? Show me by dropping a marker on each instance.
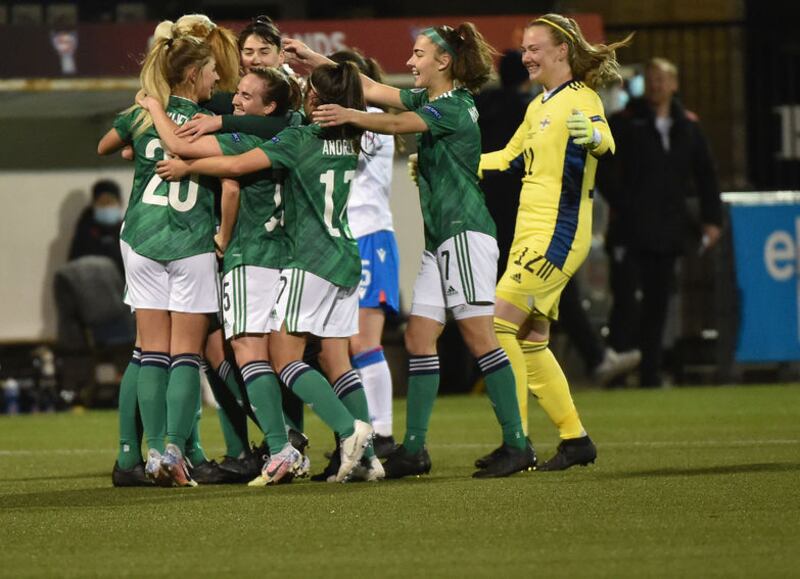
(259, 216)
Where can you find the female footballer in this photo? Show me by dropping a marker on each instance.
(254, 249)
(167, 244)
(128, 470)
(561, 138)
(317, 292)
(370, 220)
(460, 259)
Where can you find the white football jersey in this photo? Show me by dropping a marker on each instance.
(368, 208)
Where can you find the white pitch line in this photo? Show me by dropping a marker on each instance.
(71, 451)
(642, 444)
(660, 443)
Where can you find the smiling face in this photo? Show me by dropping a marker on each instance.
(249, 96)
(427, 63)
(542, 57)
(256, 52)
(206, 78)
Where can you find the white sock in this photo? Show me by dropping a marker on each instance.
(377, 380)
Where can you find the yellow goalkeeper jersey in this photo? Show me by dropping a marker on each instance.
(555, 207)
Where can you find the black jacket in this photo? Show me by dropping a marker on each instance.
(93, 238)
(647, 187)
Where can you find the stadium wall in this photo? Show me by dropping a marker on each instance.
(40, 210)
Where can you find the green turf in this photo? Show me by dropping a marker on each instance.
(690, 482)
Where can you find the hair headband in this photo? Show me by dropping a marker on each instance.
(437, 39)
(567, 33)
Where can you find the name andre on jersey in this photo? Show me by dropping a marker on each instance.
(338, 147)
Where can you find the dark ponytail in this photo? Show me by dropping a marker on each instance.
(372, 69)
(340, 84)
(472, 63)
(366, 65)
(264, 28)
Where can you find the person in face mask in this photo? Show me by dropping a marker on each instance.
(97, 230)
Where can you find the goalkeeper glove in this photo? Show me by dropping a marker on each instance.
(581, 130)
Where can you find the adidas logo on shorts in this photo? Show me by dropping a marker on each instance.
(451, 291)
(517, 278)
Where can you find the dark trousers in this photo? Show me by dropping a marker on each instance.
(573, 320)
(638, 321)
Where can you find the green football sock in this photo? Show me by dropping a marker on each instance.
(194, 448)
(183, 393)
(423, 385)
(130, 444)
(502, 390)
(234, 445)
(314, 390)
(265, 400)
(293, 409)
(151, 389)
(287, 420)
(350, 390)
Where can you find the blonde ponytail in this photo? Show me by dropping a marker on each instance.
(190, 41)
(165, 67)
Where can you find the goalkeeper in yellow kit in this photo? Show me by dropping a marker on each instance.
(560, 140)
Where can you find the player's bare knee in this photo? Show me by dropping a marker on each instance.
(242, 352)
(327, 361)
(419, 343)
(360, 344)
(422, 333)
(479, 345)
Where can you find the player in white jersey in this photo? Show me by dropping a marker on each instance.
(379, 293)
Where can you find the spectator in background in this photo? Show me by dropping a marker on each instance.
(88, 292)
(97, 231)
(90, 287)
(602, 364)
(662, 157)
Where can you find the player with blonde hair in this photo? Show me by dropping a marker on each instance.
(561, 138)
(168, 252)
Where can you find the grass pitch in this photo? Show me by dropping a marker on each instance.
(690, 482)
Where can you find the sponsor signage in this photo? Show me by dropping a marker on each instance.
(766, 241)
(98, 50)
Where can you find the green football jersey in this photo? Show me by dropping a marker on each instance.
(449, 153)
(258, 237)
(166, 221)
(316, 192)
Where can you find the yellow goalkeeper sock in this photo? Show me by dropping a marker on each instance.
(547, 382)
(507, 336)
